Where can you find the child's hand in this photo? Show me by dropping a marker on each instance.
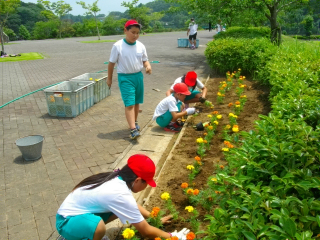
(109, 82)
(148, 69)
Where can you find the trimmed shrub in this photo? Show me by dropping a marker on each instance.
(241, 32)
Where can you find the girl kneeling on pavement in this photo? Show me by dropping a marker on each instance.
(192, 81)
(170, 108)
(104, 197)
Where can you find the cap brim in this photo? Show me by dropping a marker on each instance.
(186, 93)
(152, 183)
(134, 24)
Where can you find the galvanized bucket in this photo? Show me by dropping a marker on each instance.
(30, 147)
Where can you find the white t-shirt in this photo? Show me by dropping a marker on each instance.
(168, 103)
(112, 196)
(193, 28)
(179, 80)
(129, 58)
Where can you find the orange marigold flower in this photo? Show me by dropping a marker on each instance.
(215, 112)
(191, 236)
(197, 158)
(205, 141)
(153, 214)
(221, 166)
(226, 142)
(230, 104)
(217, 192)
(174, 238)
(205, 134)
(156, 209)
(190, 191)
(157, 238)
(210, 127)
(196, 192)
(184, 185)
(237, 103)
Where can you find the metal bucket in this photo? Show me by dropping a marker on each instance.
(30, 147)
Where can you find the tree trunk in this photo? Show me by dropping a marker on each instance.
(95, 18)
(275, 27)
(2, 43)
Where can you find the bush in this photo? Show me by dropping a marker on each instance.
(10, 33)
(24, 33)
(241, 32)
(232, 53)
(44, 30)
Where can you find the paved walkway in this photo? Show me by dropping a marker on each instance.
(74, 148)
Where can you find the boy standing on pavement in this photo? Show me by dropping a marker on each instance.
(131, 57)
(170, 109)
(192, 32)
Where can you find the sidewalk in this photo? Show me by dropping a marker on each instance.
(95, 141)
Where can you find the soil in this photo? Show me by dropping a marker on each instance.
(174, 171)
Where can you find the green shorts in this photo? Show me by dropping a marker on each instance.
(193, 95)
(131, 88)
(166, 118)
(80, 227)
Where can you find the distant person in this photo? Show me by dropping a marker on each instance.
(192, 82)
(219, 26)
(192, 33)
(169, 110)
(131, 56)
(210, 26)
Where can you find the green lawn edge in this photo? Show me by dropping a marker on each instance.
(98, 41)
(23, 57)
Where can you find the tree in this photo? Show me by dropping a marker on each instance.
(6, 7)
(308, 25)
(24, 33)
(60, 8)
(92, 10)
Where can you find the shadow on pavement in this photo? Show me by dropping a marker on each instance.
(116, 135)
(21, 161)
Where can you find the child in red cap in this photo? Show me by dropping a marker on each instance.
(104, 197)
(130, 56)
(192, 82)
(170, 108)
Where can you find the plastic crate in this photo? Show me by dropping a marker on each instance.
(197, 43)
(101, 89)
(69, 98)
(183, 42)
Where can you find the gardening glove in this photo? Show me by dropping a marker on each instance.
(190, 111)
(202, 100)
(182, 235)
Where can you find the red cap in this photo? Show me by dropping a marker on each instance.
(131, 22)
(191, 78)
(181, 88)
(143, 167)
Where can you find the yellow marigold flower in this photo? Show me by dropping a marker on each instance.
(214, 179)
(228, 126)
(219, 94)
(196, 192)
(197, 158)
(189, 208)
(244, 77)
(219, 116)
(225, 149)
(200, 140)
(128, 233)
(184, 185)
(231, 114)
(235, 128)
(224, 85)
(216, 122)
(241, 86)
(239, 69)
(190, 191)
(238, 106)
(209, 116)
(165, 196)
(190, 167)
(210, 127)
(244, 96)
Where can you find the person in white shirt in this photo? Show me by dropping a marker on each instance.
(192, 81)
(130, 56)
(170, 108)
(192, 32)
(104, 197)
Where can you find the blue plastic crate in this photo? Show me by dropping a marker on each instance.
(101, 89)
(183, 42)
(69, 98)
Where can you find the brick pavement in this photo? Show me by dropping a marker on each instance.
(74, 148)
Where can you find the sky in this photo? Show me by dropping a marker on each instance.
(106, 6)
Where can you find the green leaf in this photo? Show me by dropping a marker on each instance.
(288, 225)
(263, 231)
(318, 219)
(249, 235)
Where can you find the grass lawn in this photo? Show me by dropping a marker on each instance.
(23, 57)
(10, 43)
(98, 41)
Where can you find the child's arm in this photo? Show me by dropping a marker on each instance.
(176, 115)
(110, 73)
(204, 92)
(169, 92)
(147, 65)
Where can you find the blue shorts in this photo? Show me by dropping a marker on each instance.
(192, 96)
(166, 118)
(131, 88)
(80, 227)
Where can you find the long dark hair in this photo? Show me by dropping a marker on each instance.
(98, 179)
(183, 79)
